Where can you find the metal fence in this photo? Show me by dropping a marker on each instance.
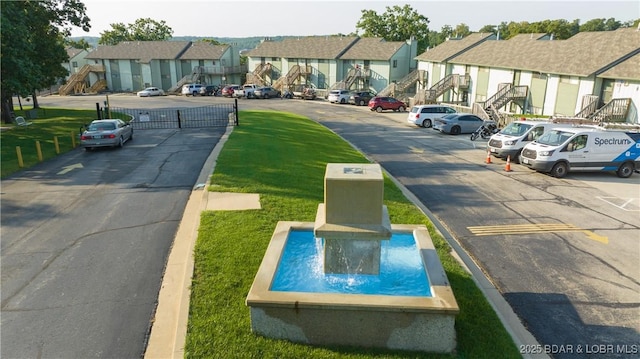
(220, 115)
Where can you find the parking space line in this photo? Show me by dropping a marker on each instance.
(533, 228)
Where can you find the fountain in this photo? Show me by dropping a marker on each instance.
(354, 239)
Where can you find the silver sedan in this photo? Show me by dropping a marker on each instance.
(106, 133)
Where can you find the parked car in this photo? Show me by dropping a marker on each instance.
(382, 103)
(191, 89)
(106, 133)
(360, 98)
(338, 96)
(228, 90)
(424, 115)
(208, 90)
(458, 123)
(266, 92)
(150, 91)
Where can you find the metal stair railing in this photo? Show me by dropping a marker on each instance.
(615, 110)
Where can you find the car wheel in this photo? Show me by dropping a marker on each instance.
(455, 130)
(194, 94)
(121, 142)
(131, 136)
(88, 149)
(378, 109)
(426, 123)
(401, 108)
(559, 170)
(361, 103)
(625, 170)
(342, 101)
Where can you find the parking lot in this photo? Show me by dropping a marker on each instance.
(564, 253)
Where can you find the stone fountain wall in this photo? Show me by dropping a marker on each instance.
(417, 323)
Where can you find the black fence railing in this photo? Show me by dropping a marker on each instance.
(220, 115)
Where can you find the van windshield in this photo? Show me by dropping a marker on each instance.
(554, 137)
(516, 129)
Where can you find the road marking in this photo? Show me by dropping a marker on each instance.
(416, 149)
(534, 228)
(628, 205)
(70, 168)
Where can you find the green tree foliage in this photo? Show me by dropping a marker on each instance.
(397, 23)
(601, 25)
(79, 44)
(32, 43)
(141, 30)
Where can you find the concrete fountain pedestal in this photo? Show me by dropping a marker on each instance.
(352, 222)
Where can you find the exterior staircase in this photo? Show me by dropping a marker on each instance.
(401, 87)
(296, 72)
(506, 94)
(257, 76)
(354, 74)
(615, 110)
(194, 77)
(77, 82)
(449, 82)
(589, 106)
(98, 86)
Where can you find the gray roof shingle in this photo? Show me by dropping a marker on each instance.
(204, 50)
(584, 54)
(143, 51)
(311, 47)
(372, 48)
(452, 47)
(626, 70)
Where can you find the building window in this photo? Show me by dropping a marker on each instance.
(74, 64)
(395, 64)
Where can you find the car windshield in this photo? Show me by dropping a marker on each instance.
(516, 129)
(554, 137)
(102, 127)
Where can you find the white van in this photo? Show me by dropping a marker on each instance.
(511, 139)
(425, 115)
(191, 89)
(582, 148)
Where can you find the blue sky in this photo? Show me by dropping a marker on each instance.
(242, 18)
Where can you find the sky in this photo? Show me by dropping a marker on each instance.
(264, 18)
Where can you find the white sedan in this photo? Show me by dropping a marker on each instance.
(150, 91)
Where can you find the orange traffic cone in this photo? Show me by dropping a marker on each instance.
(507, 168)
(488, 160)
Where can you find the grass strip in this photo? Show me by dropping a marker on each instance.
(283, 156)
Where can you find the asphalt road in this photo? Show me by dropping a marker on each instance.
(565, 253)
(85, 238)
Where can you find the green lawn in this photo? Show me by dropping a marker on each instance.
(282, 157)
(50, 123)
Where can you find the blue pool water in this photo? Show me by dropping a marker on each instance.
(402, 272)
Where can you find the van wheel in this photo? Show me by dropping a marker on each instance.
(426, 123)
(559, 170)
(625, 170)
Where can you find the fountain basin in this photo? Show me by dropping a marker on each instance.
(417, 323)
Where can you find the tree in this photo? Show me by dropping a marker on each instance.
(81, 44)
(141, 30)
(396, 24)
(32, 45)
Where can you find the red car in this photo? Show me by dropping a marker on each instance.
(227, 91)
(379, 104)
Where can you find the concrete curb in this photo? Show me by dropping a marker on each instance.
(169, 328)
